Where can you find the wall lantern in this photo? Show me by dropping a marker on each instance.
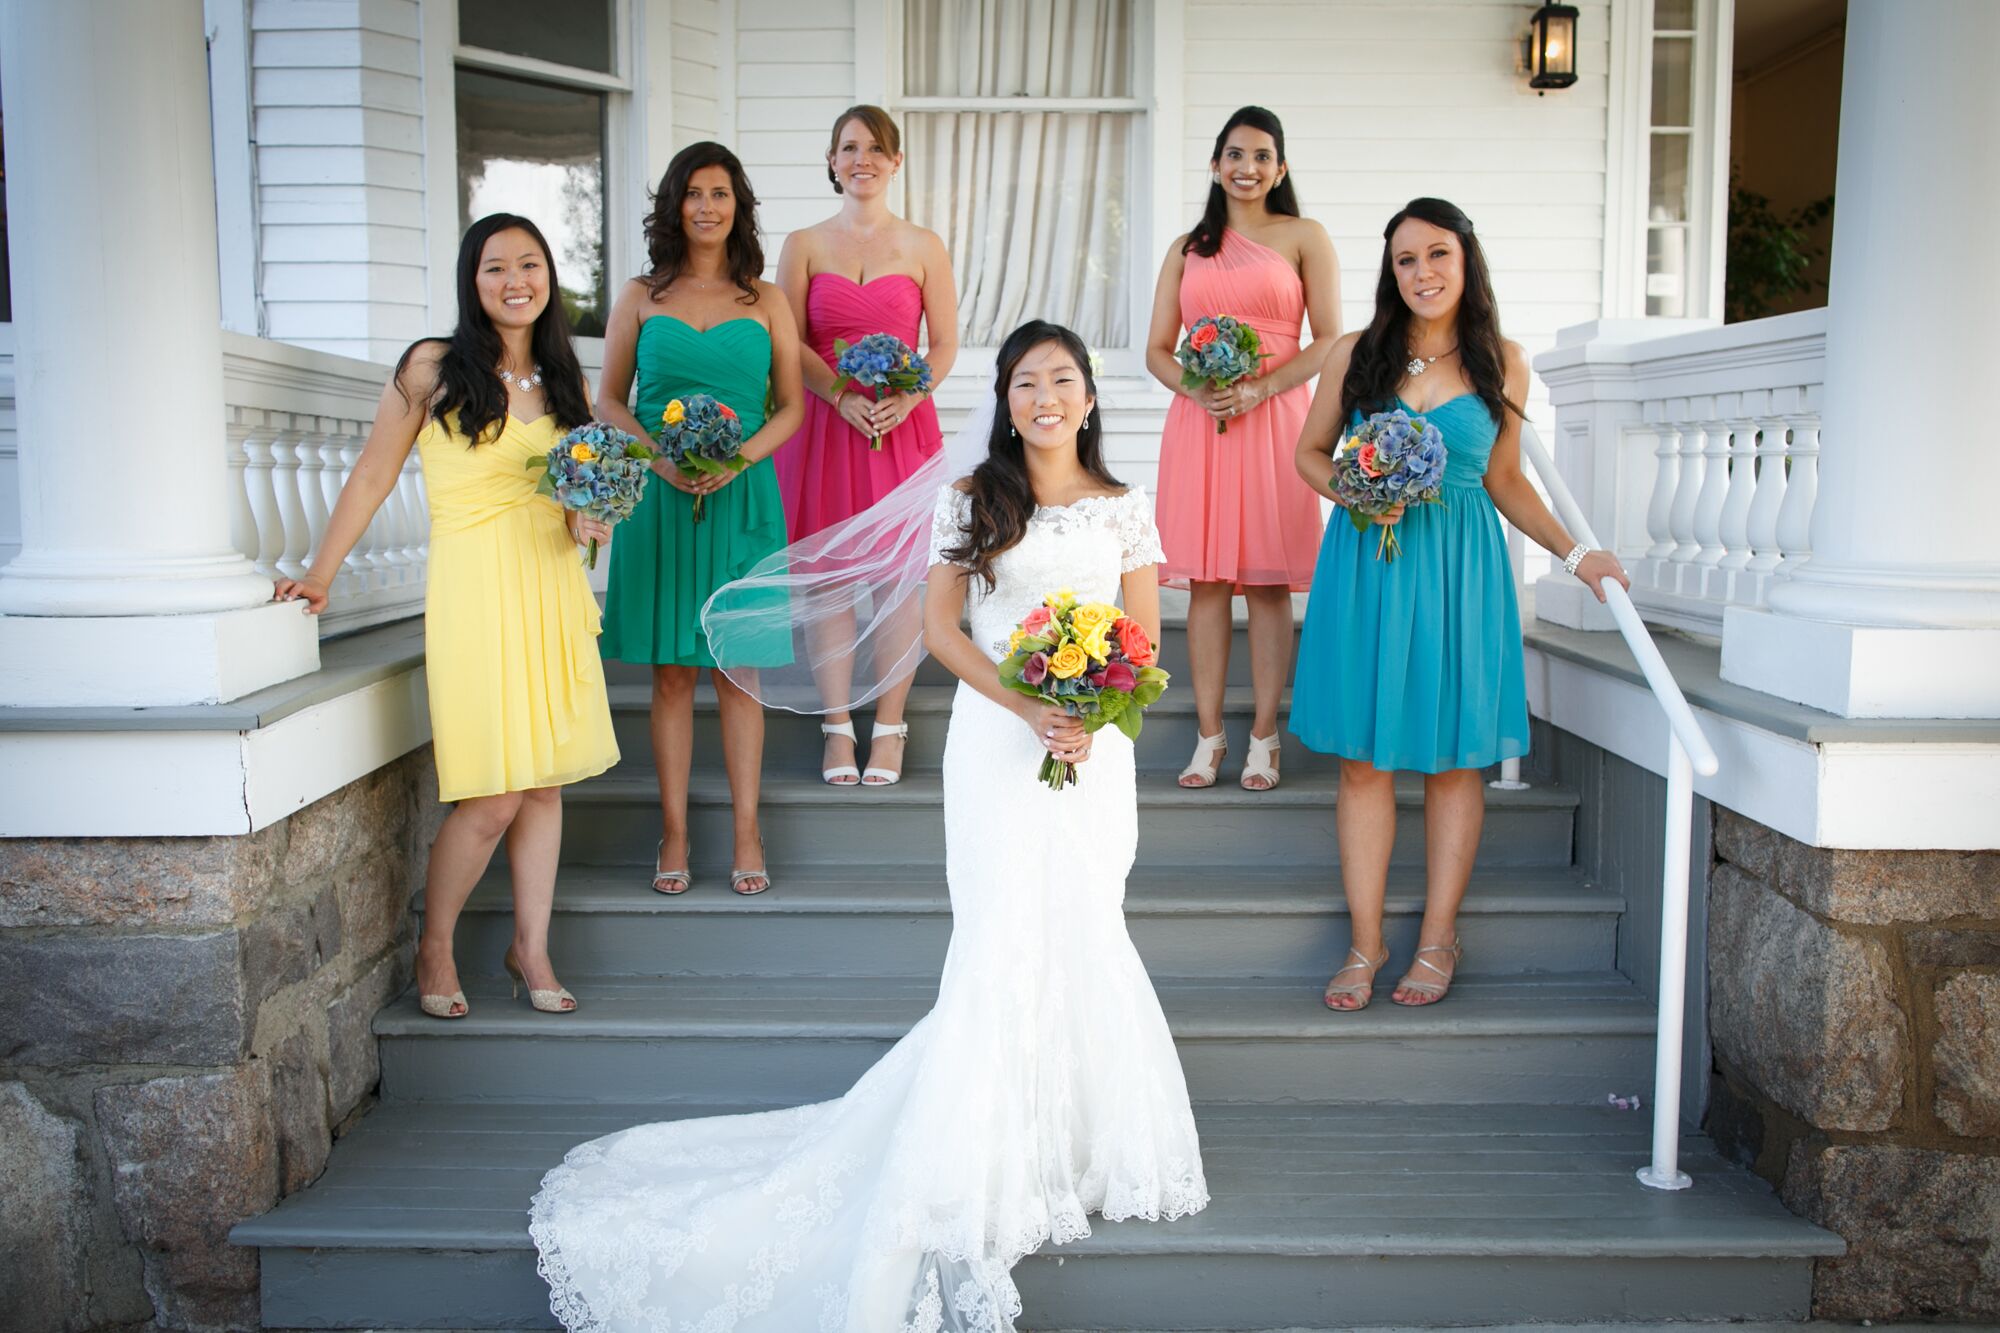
(1549, 49)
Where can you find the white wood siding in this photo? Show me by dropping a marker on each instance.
(697, 62)
(794, 74)
(337, 120)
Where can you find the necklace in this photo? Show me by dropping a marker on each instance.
(1419, 364)
(528, 383)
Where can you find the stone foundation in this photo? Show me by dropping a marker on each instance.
(1855, 1012)
(184, 1028)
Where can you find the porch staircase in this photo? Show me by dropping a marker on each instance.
(1454, 1165)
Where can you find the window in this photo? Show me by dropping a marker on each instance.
(1020, 123)
(1670, 140)
(532, 92)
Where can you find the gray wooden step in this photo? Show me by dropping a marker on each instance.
(784, 1040)
(793, 743)
(1185, 923)
(1322, 1216)
(615, 820)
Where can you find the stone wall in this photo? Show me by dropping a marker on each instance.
(184, 1028)
(1855, 1011)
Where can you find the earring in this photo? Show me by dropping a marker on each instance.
(1013, 431)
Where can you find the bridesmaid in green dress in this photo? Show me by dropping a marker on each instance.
(700, 321)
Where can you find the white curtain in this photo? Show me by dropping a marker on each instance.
(1032, 205)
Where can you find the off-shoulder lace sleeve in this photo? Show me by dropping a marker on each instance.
(1138, 538)
(950, 521)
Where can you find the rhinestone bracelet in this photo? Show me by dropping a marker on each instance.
(1575, 557)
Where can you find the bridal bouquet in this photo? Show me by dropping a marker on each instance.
(703, 438)
(880, 361)
(1391, 458)
(1088, 658)
(1219, 350)
(598, 470)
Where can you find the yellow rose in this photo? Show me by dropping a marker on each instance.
(1068, 663)
(672, 416)
(582, 452)
(1091, 623)
(1096, 640)
(1062, 599)
(1014, 641)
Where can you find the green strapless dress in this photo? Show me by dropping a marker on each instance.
(664, 565)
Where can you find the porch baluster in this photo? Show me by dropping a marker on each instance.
(1659, 509)
(1795, 518)
(1730, 580)
(1708, 504)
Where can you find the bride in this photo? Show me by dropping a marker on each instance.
(1043, 1086)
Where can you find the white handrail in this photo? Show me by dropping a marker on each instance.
(1688, 753)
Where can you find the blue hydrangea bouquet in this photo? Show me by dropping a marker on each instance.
(703, 437)
(880, 361)
(1219, 350)
(1390, 459)
(598, 470)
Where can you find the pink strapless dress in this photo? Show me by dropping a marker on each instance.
(827, 472)
(1232, 508)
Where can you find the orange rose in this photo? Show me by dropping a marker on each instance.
(1134, 642)
(1203, 336)
(724, 407)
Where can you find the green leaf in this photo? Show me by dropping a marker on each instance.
(1130, 721)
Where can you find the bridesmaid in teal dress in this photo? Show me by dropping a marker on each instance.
(1415, 663)
(700, 321)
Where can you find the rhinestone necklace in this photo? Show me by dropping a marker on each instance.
(1419, 364)
(528, 383)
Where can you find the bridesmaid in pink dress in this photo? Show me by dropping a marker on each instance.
(862, 271)
(1234, 516)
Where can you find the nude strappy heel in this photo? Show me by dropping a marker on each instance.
(1362, 991)
(841, 775)
(1263, 749)
(1208, 752)
(557, 1001)
(1432, 991)
(670, 882)
(886, 777)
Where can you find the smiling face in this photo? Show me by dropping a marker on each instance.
(1429, 263)
(1248, 166)
(862, 164)
(708, 209)
(513, 279)
(1048, 397)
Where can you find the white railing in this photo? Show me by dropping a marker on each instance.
(1688, 753)
(296, 423)
(1697, 453)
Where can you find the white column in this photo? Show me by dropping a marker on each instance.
(129, 588)
(1897, 611)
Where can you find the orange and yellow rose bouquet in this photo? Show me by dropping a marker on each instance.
(1089, 658)
(598, 470)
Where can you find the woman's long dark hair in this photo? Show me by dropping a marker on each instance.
(468, 382)
(1377, 367)
(1003, 498)
(1206, 238)
(666, 237)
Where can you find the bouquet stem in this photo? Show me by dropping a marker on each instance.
(698, 507)
(1222, 427)
(875, 443)
(591, 559)
(1386, 546)
(1057, 773)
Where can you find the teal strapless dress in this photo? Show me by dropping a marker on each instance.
(1415, 663)
(664, 565)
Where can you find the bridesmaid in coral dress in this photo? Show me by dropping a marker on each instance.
(1234, 516)
(862, 271)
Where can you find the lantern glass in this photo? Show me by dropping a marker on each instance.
(1552, 57)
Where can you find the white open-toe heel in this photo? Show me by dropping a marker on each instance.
(1207, 761)
(885, 777)
(843, 775)
(1257, 764)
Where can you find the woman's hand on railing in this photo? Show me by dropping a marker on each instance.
(1596, 567)
(310, 590)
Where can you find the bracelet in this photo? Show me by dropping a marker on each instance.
(1575, 558)
(837, 397)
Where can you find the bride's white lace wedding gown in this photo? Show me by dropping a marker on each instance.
(1043, 1086)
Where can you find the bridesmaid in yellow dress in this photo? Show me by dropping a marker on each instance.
(510, 627)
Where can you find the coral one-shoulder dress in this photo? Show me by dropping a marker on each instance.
(1232, 507)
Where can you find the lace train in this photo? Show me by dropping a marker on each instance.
(1042, 1087)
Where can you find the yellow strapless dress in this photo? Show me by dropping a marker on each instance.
(510, 625)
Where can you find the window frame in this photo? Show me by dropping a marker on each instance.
(1155, 109)
(640, 77)
(1628, 164)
